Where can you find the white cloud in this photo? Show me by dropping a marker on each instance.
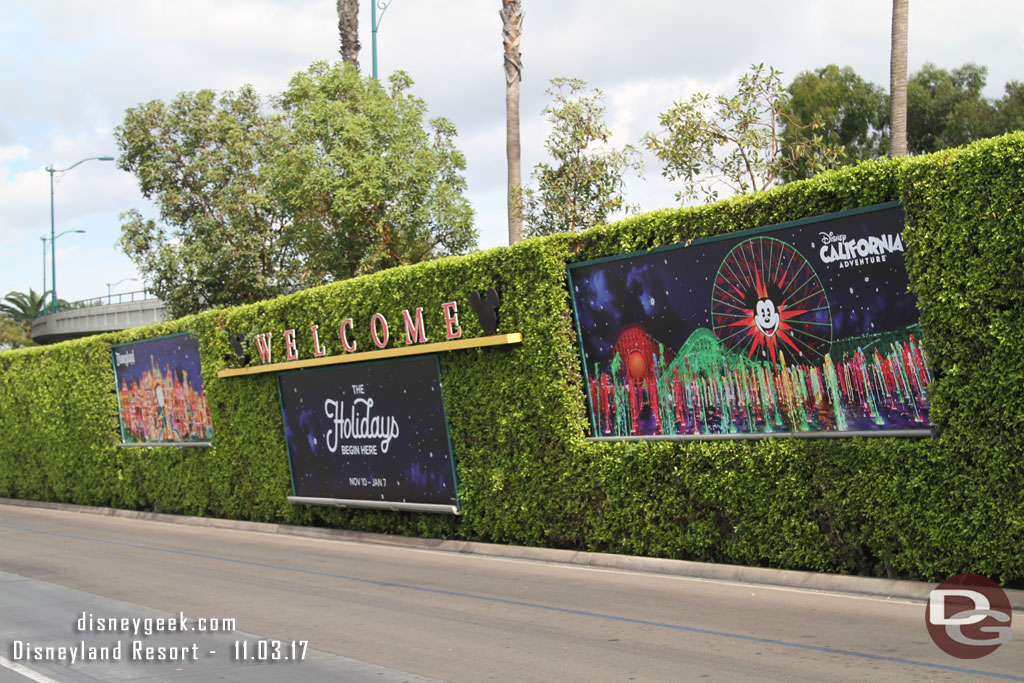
(13, 153)
(69, 70)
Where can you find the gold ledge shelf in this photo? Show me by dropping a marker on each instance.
(412, 350)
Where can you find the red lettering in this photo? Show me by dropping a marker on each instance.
(290, 352)
(347, 322)
(451, 320)
(319, 349)
(263, 346)
(377, 317)
(415, 333)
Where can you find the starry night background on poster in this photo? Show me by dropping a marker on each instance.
(418, 466)
(160, 391)
(177, 352)
(668, 295)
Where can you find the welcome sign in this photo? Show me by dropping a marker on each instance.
(369, 435)
(806, 328)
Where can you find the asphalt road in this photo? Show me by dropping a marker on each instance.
(347, 611)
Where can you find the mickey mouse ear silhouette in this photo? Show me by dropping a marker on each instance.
(486, 309)
(238, 346)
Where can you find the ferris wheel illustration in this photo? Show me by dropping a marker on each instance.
(768, 304)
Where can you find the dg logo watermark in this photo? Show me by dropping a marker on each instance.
(968, 616)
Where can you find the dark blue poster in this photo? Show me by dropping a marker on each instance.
(802, 328)
(372, 433)
(160, 392)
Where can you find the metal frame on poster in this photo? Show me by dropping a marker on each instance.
(117, 393)
(740, 234)
(374, 504)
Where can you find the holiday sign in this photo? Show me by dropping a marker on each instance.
(369, 435)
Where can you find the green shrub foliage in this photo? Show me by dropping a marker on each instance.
(898, 507)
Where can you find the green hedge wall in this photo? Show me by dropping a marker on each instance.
(916, 508)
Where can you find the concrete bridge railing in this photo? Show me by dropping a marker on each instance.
(82, 322)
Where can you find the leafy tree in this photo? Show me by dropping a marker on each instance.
(12, 336)
(848, 113)
(511, 32)
(946, 109)
(585, 183)
(1010, 109)
(21, 309)
(736, 141)
(221, 236)
(335, 176)
(366, 184)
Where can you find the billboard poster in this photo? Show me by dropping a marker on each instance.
(804, 328)
(370, 434)
(160, 392)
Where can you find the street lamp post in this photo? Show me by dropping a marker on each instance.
(374, 23)
(115, 284)
(42, 292)
(53, 238)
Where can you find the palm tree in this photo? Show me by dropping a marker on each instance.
(348, 30)
(898, 79)
(23, 308)
(512, 28)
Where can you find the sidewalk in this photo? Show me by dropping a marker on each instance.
(830, 583)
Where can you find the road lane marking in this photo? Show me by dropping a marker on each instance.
(522, 603)
(25, 671)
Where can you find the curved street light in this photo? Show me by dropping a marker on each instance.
(375, 24)
(42, 292)
(115, 284)
(53, 238)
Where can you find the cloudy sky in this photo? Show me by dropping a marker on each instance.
(69, 69)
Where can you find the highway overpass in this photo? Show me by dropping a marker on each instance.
(107, 314)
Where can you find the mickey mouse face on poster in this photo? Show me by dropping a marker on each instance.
(766, 317)
(763, 303)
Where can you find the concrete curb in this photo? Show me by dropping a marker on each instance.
(831, 583)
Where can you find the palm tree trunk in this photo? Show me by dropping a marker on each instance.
(898, 80)
(512, 26)
(348, 30)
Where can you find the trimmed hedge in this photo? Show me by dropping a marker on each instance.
(915, 508)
